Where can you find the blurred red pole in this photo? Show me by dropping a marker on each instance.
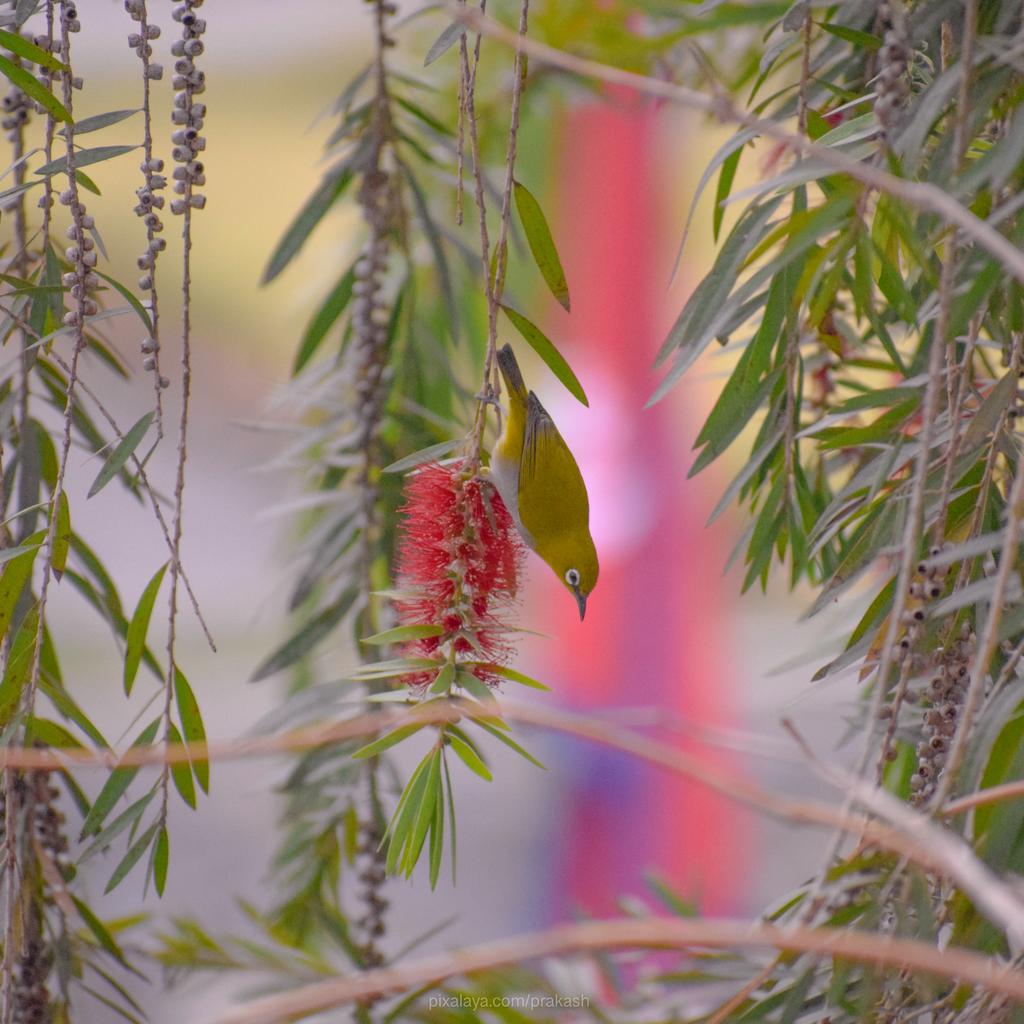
(651, 636)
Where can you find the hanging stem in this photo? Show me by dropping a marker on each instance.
(494, 283)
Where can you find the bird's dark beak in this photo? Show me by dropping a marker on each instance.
(581, 600)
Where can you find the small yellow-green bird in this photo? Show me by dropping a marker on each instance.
(542, 487)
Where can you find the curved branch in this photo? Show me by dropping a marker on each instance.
(867, 948)
(993, 795)
(920, 194)
(910, 834)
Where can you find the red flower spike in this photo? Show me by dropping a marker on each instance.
(461, 556)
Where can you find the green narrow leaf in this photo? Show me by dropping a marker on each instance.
(330, 189)
(710, 297)
(8, 554)
(83, 157)
(50, 734)
(542, 245)
(23, 48)
(181, 773)
(469, 757)
(129, 296)
(16, 573)
(31, 86)
(62, 537)
(98, 121)
(451, 812)
(402, 633)
(428, 454)
(725, 179)
(135, 636)
(388, 740)
(508, 741)
(19, 667)
(333, 307)
(398, 828)
(98, 929)
(87, 183)
(350, 831)
(553, 359)
(125, 820)
(395, 667)
(444, 42)
(443, 680)
(424, 813)
(510, 673)
(52, 280)
(192, 726)
(862, 40)
(479, 689)
(302, 642)
(437, 839)
(422, 115)
(131, 858)
(119, 780)
(161, 855)
(434, 238)
(669, 897)
(121, 453)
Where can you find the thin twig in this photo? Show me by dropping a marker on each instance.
(989, 638)
(983, 797)
(191, 114)
(954, 380)
(77, 316)
(884, 951)
(153, 225)
(792, 354)
(921, 195)
(140, 471)
(596, 730)
(495, 285)
(962, 374)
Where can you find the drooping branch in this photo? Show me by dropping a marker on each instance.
(494, 266)
(911, 836)
(921, 195)
(597, 936)
(188, 117)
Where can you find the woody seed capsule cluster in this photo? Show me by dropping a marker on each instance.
(150, 202)
(370, 310)
(35, 802)
(15, 112)
(16, 107)
(891, 87)
(81, 253)
(945, 692)
(31, 996)
(372, 876)
(188, 114)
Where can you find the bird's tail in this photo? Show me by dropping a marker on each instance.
(510, 371)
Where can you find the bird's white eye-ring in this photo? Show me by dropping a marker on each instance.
(572, 577)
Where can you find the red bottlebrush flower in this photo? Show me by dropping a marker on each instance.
(461, 556)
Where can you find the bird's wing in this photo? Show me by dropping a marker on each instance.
(539, 435)
(551, 486)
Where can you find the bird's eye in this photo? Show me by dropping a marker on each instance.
(572, 577)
